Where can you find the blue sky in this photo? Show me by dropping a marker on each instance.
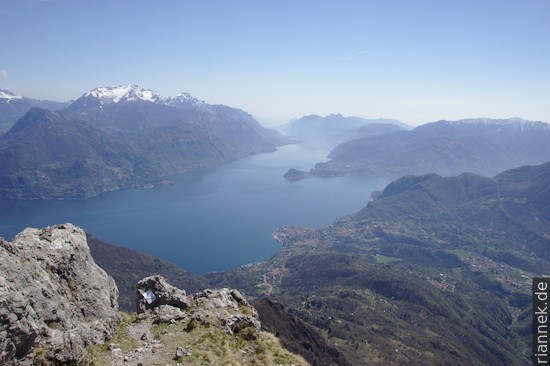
(413, 60)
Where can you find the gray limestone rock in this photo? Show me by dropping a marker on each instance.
(181, 352)
(168, 314)
(54, 299)
(161, 302)
(228, 309)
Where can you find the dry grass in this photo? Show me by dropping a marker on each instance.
(206, 345)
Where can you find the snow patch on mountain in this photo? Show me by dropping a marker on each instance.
(182, 100)
(121, 93)
(131, 93)
(6, 94)
(182, 97)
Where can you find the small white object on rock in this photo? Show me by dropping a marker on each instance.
(149, 296)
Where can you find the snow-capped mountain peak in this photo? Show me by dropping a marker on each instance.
(116, 94)
(182, 99)
(111, 95)
(185, 96)
(6, 94)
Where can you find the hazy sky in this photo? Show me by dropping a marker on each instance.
(413, 60)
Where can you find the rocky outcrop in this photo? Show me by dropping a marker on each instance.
(158, 299)
(228, 309)
(154, 292)
(54, 299)
(210, 327)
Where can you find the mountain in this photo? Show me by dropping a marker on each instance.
(133, 110)
(434, 270)
(372, 129)
(336, 128)
(119, 137)
(129, 109)
(49, 155)
(106, 95)
(183, 101)
(103, 95)
(482, 146)
(13, 107)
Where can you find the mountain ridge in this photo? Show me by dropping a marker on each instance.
(49, 155)
(104, 95)
(13, 107)
(481, 146)
(336, 128)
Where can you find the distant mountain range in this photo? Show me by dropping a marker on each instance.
(434, 270)
(336, 128)
(482, 146)
(13, 107)
(119, 137)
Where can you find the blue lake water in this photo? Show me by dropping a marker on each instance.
(210, 220)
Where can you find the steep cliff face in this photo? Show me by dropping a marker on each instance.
(54, 299)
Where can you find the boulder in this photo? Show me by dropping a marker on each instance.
(228, 309)
(154, 291)
(168, 314)
(54, 299)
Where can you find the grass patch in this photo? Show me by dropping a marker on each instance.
(385, 259)
(460, 253)
(206, 345)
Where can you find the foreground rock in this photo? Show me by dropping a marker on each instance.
(154, 292)
(222, 308)
(54, 299)
(212, 327)
(229, 310)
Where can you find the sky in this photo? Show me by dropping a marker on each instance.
(412, 60)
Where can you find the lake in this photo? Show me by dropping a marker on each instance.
(211, 220)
